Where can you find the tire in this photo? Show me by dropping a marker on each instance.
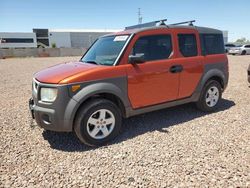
(243, 52)
(210, 96)
(97, 122)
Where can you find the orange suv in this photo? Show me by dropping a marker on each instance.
(128, 73)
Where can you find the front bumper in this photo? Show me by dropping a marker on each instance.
(53, 116)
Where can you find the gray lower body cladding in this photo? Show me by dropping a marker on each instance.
(59, 115)
(51, 116)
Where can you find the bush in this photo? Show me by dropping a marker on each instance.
(53, 45)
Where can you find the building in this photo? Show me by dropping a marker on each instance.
(17, 40)
(77, 38)
(68, 38)
(225, 36)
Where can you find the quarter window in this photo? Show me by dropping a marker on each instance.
(154, 47)
(187, 45)
(213, 44)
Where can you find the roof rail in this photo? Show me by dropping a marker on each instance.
(158, 23)
(190, 23)
(148, 24)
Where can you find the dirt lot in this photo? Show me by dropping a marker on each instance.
(179, 146)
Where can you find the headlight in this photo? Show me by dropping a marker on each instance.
(48, 94)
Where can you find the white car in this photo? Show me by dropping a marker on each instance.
(240, 50)
(229, 46)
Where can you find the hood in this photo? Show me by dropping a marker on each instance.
(55, 74)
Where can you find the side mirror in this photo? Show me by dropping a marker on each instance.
(136, 59)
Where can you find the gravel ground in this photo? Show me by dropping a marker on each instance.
(178, 146)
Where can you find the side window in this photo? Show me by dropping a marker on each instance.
(154, 47)
(213, 43)
(187, 45)
(247, 46)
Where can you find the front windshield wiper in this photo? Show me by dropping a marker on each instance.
(91, 62)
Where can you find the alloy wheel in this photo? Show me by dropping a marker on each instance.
(100, 124)
(212, 96)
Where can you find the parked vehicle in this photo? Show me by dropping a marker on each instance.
(229, 46)
(248, 73)
(129, 73)
(240, 50)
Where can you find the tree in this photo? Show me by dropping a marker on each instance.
(242, 40)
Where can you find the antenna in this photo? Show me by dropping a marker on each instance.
(139, 16)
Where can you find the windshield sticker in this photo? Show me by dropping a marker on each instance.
(121, 38)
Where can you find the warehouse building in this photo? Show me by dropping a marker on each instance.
(75, 38)
(225, 36)
(17, 40)
(69, 38)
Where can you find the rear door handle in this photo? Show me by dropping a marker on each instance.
(176, 68)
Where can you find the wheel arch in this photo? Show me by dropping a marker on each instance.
(212, 74)
(107, 91)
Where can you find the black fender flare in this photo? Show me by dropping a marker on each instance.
(91, 90)
(208, 75)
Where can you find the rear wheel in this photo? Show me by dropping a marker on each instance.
(98, 122)
(210, 96)
(243, 52)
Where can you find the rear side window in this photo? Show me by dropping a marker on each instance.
(187, 45)
(213, 44)
(154, 47)
(247, 46)
(229, 45)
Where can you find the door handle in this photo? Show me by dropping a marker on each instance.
(176, 68)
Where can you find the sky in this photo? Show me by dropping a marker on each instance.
(24, 15)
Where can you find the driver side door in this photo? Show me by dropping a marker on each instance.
(153, 81)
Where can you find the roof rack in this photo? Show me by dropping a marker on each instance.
(158, 23)
(148, 24)
(190, 23)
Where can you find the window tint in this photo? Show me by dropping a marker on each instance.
(247, 46)
(213, 44)
(187, 45)
(154, 47)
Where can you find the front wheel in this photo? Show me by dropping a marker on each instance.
(98, 122)
(210, 96)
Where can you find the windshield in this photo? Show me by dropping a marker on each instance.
(105, 50)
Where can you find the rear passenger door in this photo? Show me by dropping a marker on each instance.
(190, 58)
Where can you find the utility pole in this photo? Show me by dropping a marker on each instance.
(139, 16)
